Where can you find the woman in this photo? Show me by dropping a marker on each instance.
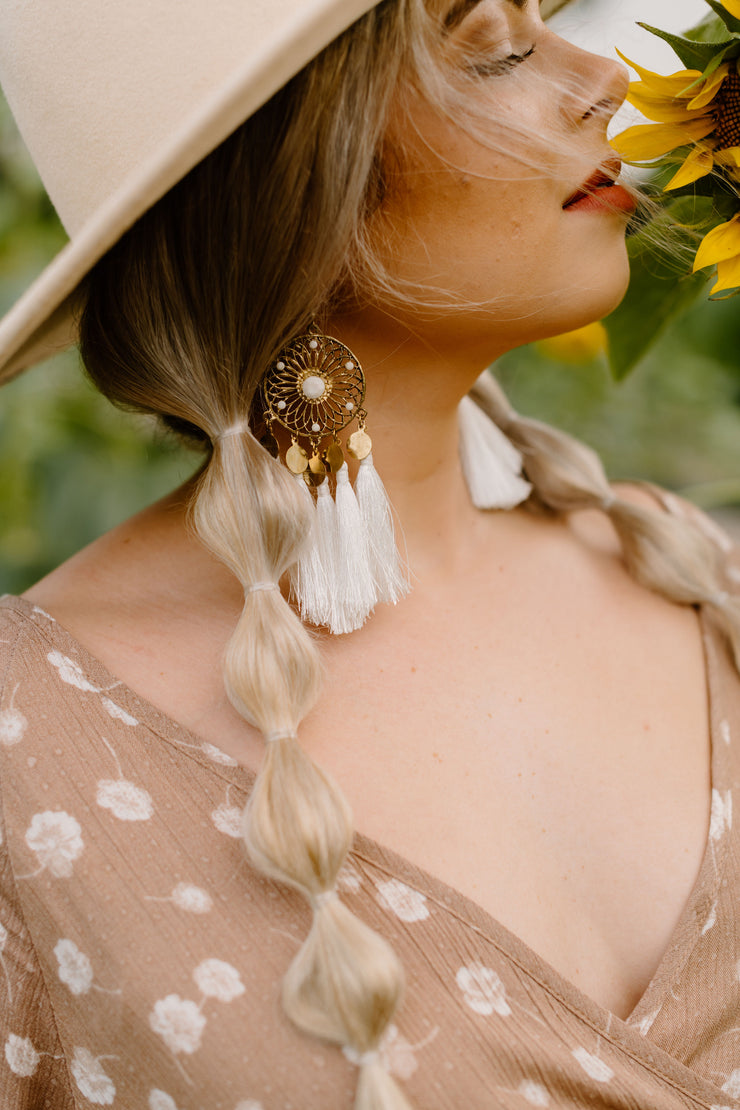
(528, 731)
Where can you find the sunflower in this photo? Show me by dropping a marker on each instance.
(689, 109)
(697, 113)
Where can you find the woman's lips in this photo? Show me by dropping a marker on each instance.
(602, 191)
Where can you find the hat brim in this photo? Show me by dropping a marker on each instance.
(44, 320)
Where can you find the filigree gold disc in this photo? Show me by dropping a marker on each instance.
(315, 388)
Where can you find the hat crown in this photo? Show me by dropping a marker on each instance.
(102, 91)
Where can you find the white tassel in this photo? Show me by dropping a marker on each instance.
(391, 582)
(327, 547)
(355, 594)
(308, 575)
(491, 464)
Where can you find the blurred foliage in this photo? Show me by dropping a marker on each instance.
(71, 466)
(675, 420)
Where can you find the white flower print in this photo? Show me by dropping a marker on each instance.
(55, 838)
(22, 1057)
(645, 1025)
(534, 1093)
(160, 1100)
(71, 672)
(12, 727)
(179, 1023)
(217, 979)
(217, 755)
(724, 731)
(3, 942)
(711, 920)
(482, 990)
(75, 968)
(194, 899)
(593, 1066)
(405, 902)
(722, 1107)
(248, 1104)
(228, 820)
(188, 897)
(43, 613)
(12, 724)
(721, 819)
(732, 1086)
(90, 1077)
(126, 801)
(396, 1052)
(348, 878)
(117, 713)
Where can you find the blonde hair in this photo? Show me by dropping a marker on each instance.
(181, 318)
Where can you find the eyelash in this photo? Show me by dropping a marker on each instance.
(497, 66)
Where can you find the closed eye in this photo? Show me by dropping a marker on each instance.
(494, 67)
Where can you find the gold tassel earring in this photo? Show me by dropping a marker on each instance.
(315, 389)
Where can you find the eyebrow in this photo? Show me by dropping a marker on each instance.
(461, 8)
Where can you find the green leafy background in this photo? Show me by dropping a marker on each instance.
(71, 466)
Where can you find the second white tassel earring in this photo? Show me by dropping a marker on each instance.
(491, 464)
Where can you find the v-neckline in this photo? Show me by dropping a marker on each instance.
(683, 938)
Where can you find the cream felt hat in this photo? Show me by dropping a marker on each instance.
(117, 102)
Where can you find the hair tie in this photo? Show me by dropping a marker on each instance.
(365, 1059)
(234, 430)
(608, 502)
(285, 735)
(323, 897)
(257, 587)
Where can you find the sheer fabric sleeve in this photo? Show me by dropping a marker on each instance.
(33, 1070)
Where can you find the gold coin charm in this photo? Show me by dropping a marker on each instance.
(316, 465)
(359, 444)
(296, 459)
(316, 470)
(334, 457)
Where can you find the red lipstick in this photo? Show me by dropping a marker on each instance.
(601, 192)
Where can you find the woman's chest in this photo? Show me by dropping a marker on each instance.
(560, 781)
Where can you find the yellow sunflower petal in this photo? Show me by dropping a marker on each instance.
(721, 244)
(728, 275)
(581, 345)
(733, 7)
(674, 84)
(699, 163)
(646, 141)
(710, 89)
(663, 109)
(729, 157)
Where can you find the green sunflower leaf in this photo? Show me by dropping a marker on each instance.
(694, 55)
(731, 22)
(659, 289)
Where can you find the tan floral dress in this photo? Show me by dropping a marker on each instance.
(141, 956)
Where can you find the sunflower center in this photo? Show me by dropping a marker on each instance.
(727, 112)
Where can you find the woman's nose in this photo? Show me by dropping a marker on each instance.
(596, 89)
